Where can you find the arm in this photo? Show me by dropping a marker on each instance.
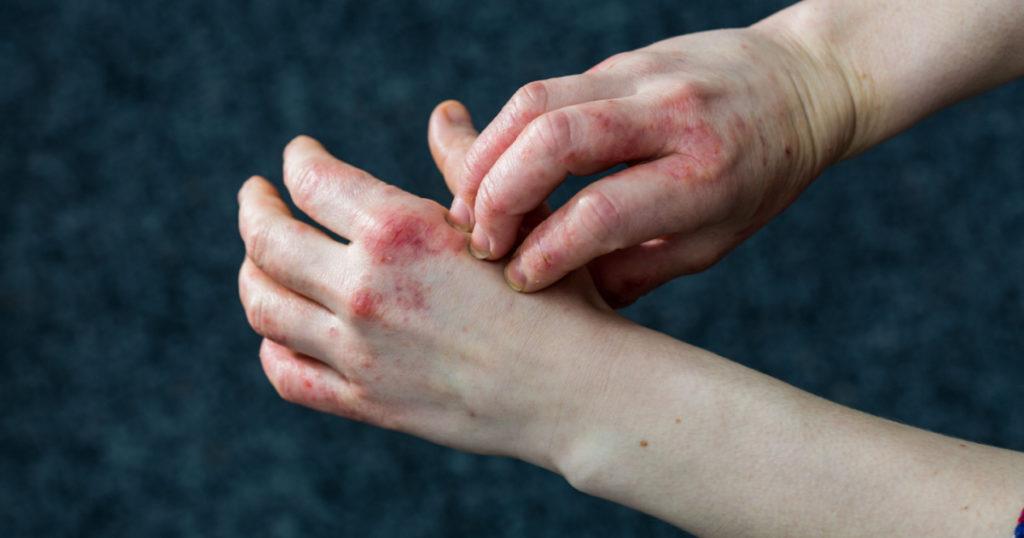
(721, 131)
(905, 60)
(721, 450)
(403, 329)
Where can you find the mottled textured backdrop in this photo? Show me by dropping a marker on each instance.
(131, 398)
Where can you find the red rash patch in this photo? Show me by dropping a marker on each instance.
(364, 303)
(404, 239)
(409, 294)
(406, 294)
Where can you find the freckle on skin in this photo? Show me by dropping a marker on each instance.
(643, 444)
(677, 421)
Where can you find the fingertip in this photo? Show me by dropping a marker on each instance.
(479, 245)
(456, 112)
(301, 147)
(514, 275)
(302, 139)
(460, 217)
(450, 114)
(254, 182)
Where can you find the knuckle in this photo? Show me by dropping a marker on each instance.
(489, 203)
(689, 89)
(554, 131)
(259, 241)
(600, 218)
(545, 258)
(609, 62)
(257, 312)
(541, 254)
(530, 100)
(642, 63)
(306, 179)
(688, 100)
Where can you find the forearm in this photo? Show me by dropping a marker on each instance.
(721, 450)
(902, 61)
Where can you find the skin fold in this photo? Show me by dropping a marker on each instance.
(403, 327)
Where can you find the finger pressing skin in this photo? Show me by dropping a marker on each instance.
(306, 381)
(450, 133)
(579, 140)
(282, 315)
(334, 193)
(528, 103)
(293, 253)
(624, 209)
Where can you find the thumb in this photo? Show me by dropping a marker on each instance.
(450, 133)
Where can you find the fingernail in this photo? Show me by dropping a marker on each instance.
(480, 245)
(459, 216)
(456, 114)
(514, 274)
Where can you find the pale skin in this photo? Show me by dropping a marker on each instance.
(402, 328)
(722, 131)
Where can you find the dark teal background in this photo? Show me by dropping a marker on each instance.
(131, 398)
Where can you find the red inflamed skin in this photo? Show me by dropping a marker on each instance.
(401, 326)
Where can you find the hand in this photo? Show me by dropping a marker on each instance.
(401, 327)
(722, 130)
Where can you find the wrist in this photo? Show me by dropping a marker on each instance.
(830, 96)
(895, 63)
(680, 433)
(564, 367)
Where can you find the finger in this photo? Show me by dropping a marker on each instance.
(334, 193)
(625, 275)
(577, 140)
(282, 315)
(527, 104)
(621, 210)
(306, 381)
(296, 255)
(450, 133)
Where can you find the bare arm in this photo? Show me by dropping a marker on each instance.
(721, 450)
(905, 60)
(403, 329)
